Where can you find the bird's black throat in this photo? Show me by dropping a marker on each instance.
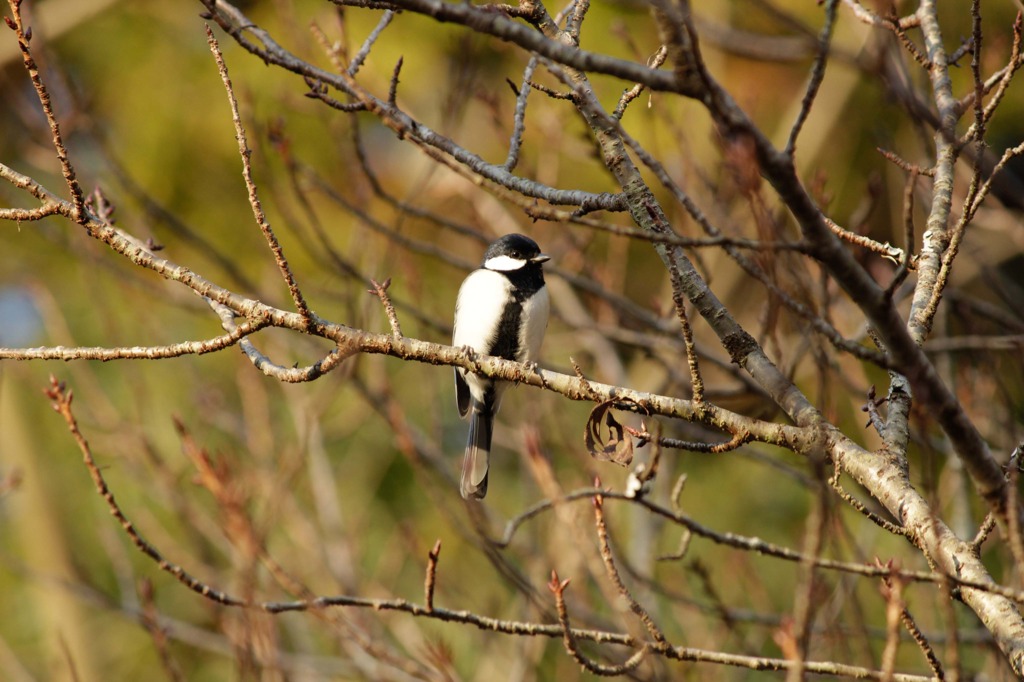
(525, 282)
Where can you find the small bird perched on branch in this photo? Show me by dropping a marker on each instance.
(502, 310)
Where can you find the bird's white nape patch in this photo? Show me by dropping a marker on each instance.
(504, 263)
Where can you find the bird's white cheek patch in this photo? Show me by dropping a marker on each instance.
(503, 263)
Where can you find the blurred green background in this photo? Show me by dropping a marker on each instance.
(347, 482)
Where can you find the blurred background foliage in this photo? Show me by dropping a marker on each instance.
(339, 478)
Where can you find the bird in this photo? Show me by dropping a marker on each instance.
(501, 310)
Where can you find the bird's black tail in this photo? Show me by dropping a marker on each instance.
(478, 452)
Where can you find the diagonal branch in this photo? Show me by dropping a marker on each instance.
(254, 200)
(240, 28)
(778, 169)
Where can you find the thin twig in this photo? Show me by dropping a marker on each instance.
(364, 50)
(923, 644)
(998, 83)
(393, 87)
(986, 528)
(892, 591)
(519, 116)
(290, 375)
(627, 97)
(557, 588)
(254, 200)
(833, 481)
(871, 407)
(805, 606)
(745, 543)
(574, 19)
(334, 51)
(885, 250)
(175, 350)
(817, 75)
(380, 289)
(906, 262)
(738, 440)
(613, 572)
(696, 382)
(430, 581)
(681, 549)
(60, 397)
(23, 35)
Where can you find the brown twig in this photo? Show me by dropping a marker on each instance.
(176, 350)
(60, 397)
(906, 263)
(62, 400)
(738, 440)
(318, 91)
(805, 606)
(24, 36)
(755, 545)
(290, 375)
(393, 87)
(874, 19)
(336, 52)
(871, 407)
(371, 39)
(923, 644)
(892, 591)
(29, 214)
(816, 77)
(997, 83)
(613, 572)
(584, 383)
(557, 588)
(885, 250)
(986, 528)
(431, 578)
(681, 549)
(627, 97)
(519, 115)
(380, 289)
(897, 612)
(254, 200)
(833, 481)
(696, 382)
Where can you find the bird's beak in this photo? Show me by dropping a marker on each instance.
(540, 258)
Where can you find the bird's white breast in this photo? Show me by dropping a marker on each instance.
(478, 309)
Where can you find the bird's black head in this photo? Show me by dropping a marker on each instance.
(514, 252)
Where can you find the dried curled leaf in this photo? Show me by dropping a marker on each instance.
(610, 443)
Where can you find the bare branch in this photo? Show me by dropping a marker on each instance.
(381, 291)
(23, 34)
(613, 573)
(817, 75)
(176, 350)
(254, 200)
(60, 397)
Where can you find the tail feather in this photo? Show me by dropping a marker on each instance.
(477, 459)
